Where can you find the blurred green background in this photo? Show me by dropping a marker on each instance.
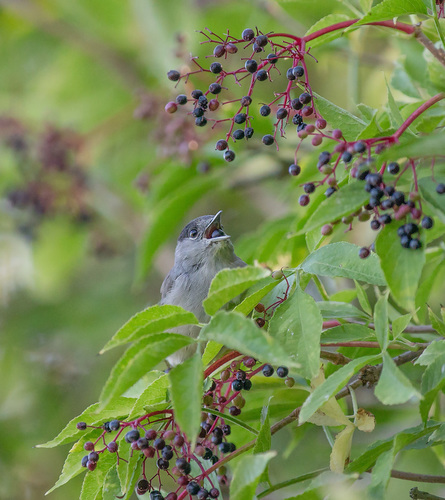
(95, 177)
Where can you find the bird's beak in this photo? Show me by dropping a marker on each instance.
(214, 231)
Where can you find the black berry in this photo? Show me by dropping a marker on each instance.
(265, 110)
(309, 188)
(298, 71)
(268, 370)
(440, 188)
(346, 156)
(398, 197)
(216, 67)
(193, 488)
(240, 118)
(281, 113)
(246, 101)
(248, 132)
(272, 58)
(251, 65)
(427, 222)
(215, 88)
(81, 426)
(375, 225)
(363, 252)
(268, 139)
(296, 104)
(330, 191)
(359, 147)
(414, 244)
(173, 75)
(159, 443)
(261, 40)
(132, 436)
(237, 385)
(115, 425)
(305, 98)
(290, 74)
(238, 134)
(262, 75)
(201, 121)
(393, 168)
(196, 94)
(181, 99)
(294, 169)
(247, 385)
(282, 371)
(221, 145)
(229, 155)
(304, 200)
(248, 34)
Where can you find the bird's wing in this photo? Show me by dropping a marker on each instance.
(168, 282)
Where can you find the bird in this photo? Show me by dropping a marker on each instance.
(202, 250)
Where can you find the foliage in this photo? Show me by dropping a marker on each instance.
(347, 334)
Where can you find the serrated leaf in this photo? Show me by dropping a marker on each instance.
(363, 298)
(128, 471)
(323, 23)
(332, 385)
(186, 382)
(436, 322)
(346, 333)
(94, 481)
(428, 190)
(381, 474)
(341, 449)
(296, 325)
(211, 350)
(414, 147)
(247, 474)
(342, 260)
(139, 359)
(156, 392)
(399, 325)
(393, 386)
(92, 416)
(390, 9)
(264, 439)
(229, 283)
(381, 321)
(350, 125)
(241, 334)
(111, 485)
(402, 267)
(395, 118)
(246, 306)
(331, 309)
(154, 319)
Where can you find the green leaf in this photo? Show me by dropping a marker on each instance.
(395, 118)
(331, 385)
(425, 146)
(399, 325)
(347, 295)
(381, 474)
(393, 386)
(429, 397)
(402, 267)
(94, 481)
(241, 334)
(363, 298)
(342, 260)
(428, 190)
(296, 325)
(247, 474)
(346, 333)
(112, 485)
(350, 125)
(330, 309)
(323, 23)
(390, 9)
(129, 471)
(436, 322)
(211, 350)
(121, 407)
(186, 391)
(227, 417)
(246, 306)
(154, 319)
(381, 321)
(229, 283)
(264, 438)
(156, 392)
(165, 217)
(139, 359)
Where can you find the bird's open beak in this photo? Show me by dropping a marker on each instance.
(214, 230)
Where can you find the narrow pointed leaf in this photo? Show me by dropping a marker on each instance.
(381, 321)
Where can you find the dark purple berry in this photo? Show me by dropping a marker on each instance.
(203, 494)
(248, 34)
(234, 411)
(159, 443)
(268, 370)
(167, 454)
(364, 252)
(282, 371)
(272, 58)
(298, 71)
(115, 425)
(401, 231)
(281, 113)
(411, 228)
(440, 188)
(162, 464)
(251, 65)
(387, 204)
(226, 429)
(81, 426)
(198, 112)
(219, 51)
(257, 48)
(181, 99)
(261, 75)
(359, 147)
(296, 104)
(393, 168)
(324, 158)
(229, 155)
(385, 219)
(248, 132)
(201, 121)
(247, 385)
(330, 191)
(156, 495)
(305, 98)
(216, 67)
(93, 456)
(268, 139)
(261, 40)
(84, 461)
(142, 443)
(142, 485)
(240, 118)
(265, 110)
(290, 74)
(215, 88)
(375, 225)
(415, 244)
(221, 145)
(427, 222)
(376, 192)
(224, 448)
(389, 190)
(196, 94)
(297, 120)
(405, 241)
(398, 197)
(214, 493)
(304, 200)
(346, 156)
(240, 375)
(294, 169)
(374, 179)
(132, 436)
(173, 75)
(193, 488)
(309, 187)
(112, 447)
(91, 465)
(246, 101)
(237, 385)
(238, 134)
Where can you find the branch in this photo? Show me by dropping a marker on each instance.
(439, 54)
(335, 358)
(409, 329)
(416, 494)
(419, 478)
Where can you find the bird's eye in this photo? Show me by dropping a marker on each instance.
(193, 233)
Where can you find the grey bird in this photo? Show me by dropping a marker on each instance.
(202, 250)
